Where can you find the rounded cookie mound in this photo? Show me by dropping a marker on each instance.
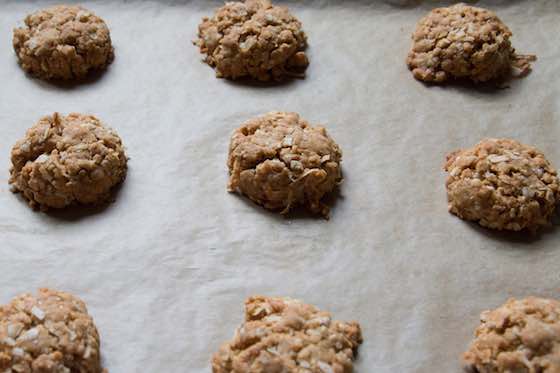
(502, 184)
(253, 39)
(462, 41)
(279, 161)
(63, 42)
(67, 159)
(520, 336)
(48, 333)
(285, 335)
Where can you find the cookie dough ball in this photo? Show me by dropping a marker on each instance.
(286, 335)
(67, 160)
(520, 336)
(63, 42)
(280, 161)
(253, 39)
(50, 332)
(462, 41)
(502, 184)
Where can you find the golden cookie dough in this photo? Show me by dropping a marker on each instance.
(63, 42)
(64, 160)
(288, 336)
(522, 336)
(465, 42)
(50, 332)
(502, 184)
(253, 39)
(280, 161)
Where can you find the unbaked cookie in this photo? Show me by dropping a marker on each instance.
(280, 161)
(520, 336)
(63, 42)
(253, 39)
(502, 184)
(67, 159)
(286, 335)
(50, 332)
(462, 41)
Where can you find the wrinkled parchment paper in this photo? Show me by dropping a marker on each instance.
(166, 268)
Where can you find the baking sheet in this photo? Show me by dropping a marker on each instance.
(166, 268)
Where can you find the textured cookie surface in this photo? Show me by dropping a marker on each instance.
(64, 160)
(462, 41)
(50, 332)
(502, 184)
(63, 42)
(280, 161)
(285, 335)
(253, 39)
(522, 336)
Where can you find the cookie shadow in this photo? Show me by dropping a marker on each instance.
(91, 79)
(301, 213)
(470, 87)
(400, 4)
(298, 212)
(501, 86)
(252, 83)
(75, 213)
(523, 237)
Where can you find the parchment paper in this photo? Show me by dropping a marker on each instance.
(166, 268)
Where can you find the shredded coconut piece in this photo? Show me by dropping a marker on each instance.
(38, 313)
(30, 334)
(325, 368)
